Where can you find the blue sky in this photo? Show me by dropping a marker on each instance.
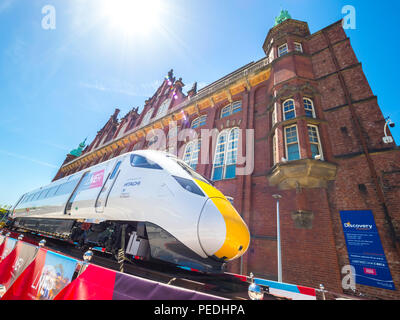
(59, 86)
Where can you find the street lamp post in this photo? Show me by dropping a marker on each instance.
(278, 231)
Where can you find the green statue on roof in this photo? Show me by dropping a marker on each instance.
(284, 15)
(78, 152)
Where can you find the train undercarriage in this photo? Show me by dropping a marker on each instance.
(121, 240)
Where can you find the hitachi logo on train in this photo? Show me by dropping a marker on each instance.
(132, 184)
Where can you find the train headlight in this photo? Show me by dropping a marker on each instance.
(189, 185)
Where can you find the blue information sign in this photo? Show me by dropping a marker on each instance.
(365, 249)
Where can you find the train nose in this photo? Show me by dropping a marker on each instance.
(222, 232)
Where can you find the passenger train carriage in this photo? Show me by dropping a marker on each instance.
(149, 203)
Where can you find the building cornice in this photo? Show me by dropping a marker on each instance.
(226, 88)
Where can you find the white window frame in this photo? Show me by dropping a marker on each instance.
(191, 157)
(226, 111)
(230, 108)
(235, 106)
(312, 106)
(285, 112)
(281, 53)
(226, 149)
(199, 122)
(217, 153)
(298, 47)
(321, 152)
(286, 143)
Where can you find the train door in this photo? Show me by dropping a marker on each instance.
(102, 198)
(82, 183)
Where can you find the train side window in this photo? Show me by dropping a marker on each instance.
(35, 196)
(28, 198)
(52, 192)
(115, 170)
(141, 162)
(42, 194)
(67, 187)
(46, 193)
(25, 198)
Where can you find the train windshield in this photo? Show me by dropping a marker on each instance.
(141, 162)
(190, 171)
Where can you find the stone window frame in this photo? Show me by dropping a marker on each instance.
(275, 151)
(274, 116)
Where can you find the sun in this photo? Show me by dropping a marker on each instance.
(133, 16)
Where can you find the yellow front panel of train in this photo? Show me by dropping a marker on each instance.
(237, 238)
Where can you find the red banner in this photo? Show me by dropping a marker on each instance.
(16, 262)
(22, 288)
(9, 245)
(95, 283)
(44, 278)
(2, 245)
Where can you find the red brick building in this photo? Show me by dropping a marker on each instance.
(318, 143)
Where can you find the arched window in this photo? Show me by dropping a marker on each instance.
(309, 107)
(147, 117)
(231, 109)
(199, 122)
(289, 110)
(191, 155)
(226, 111)
(225, 158)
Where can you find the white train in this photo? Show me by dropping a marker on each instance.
(150, 203)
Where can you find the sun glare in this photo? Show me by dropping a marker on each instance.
(133, 16)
